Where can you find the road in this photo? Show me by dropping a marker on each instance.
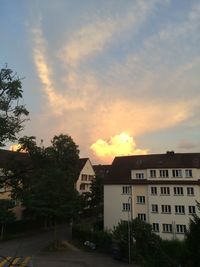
(29, 251)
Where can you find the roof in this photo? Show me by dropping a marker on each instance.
(120, 171)
(7, 155)
(101, 170)
(82, 163)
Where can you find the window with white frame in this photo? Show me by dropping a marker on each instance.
(142, 216)
(154, 208)
(126, 190)
(126, 206)
(84, 177)
(165, 190)
(180, 228)
(180, 209)
(176, 173)
(166, 208)
(152, 173)
(190, 191)
(140, 199)
(178, 190)
(164, 173)
(153, 190)
(167, 228)
(139, 175)
(192, 209)
(188, 173)
(155, 227)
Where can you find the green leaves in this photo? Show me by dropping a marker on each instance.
(12, 114)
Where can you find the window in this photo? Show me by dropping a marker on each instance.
(188, 173)
(164, 173)
(180, 228)
(152, 173)
(179, 209)
(139, 175)
(155, 227)
(178, 190)
(126, 206)
(166, 208)
(190, 191)
(153, 190)
(140, 199)
(90, 177)
(154, 208)
(176, 173)
(82, 186)
(126, 190)
(84, 177)
(167, 228)
(142, 216)
(164, 190)
(192, 209)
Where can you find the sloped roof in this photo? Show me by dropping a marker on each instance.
(101, 169)
(7, 155)
(82, 163)
(120, 171)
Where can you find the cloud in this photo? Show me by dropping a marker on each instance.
(187, 145)
(118, 145)
(147, 86)
(57, 101)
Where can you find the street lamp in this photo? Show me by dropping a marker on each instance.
(130, 217)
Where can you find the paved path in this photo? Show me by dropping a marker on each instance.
(29, 251)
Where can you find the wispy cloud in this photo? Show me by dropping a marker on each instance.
(145, 91)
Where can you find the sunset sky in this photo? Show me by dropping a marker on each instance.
(119, 76)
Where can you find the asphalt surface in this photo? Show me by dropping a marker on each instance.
(29, 252)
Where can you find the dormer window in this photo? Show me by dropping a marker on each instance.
(139, 175)
(164, 173)
(176, 173)
(152, 173)
(188, 173)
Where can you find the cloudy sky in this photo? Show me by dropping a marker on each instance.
(119, 76)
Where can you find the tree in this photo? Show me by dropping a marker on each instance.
(48, 190)
(144, 244)
(12, 113)
(94, 198)
(192, 239)
(6, 214)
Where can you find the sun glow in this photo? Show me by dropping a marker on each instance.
(119, 145)
(16, 147)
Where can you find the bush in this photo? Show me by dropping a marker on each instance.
(102, 239)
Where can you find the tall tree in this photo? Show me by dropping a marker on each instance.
(192, 239)
(94, 198)
(48, 190)
(12, 113)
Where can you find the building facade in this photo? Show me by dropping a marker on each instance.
(160, 189)
(86, 175)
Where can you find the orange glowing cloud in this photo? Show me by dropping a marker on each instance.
(118, 145)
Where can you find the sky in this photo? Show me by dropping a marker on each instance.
(121, 77)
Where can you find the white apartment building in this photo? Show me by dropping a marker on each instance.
(86, 175)
(161, 189)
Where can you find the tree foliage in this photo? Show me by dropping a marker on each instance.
(192, 240)
(145, 246)
(12, 113)
(6, 214)
(48, 191)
